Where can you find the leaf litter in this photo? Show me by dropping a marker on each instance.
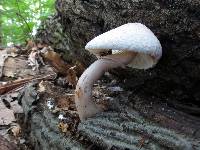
(21, 66)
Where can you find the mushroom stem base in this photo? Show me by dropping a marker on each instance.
(83, 93)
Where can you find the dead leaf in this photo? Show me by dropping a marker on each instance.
(3, 57)
(12, 51)
(17, 109)
(41, 87)
(55, 60)
(34, 59)
(6, 115)
(79, 68)
(63, 127)
(16, 67)
(15, 129)
(71, 72)
(71, 76)
(63, 102)
(13, 103)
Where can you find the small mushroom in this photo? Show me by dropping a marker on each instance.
(132, 44)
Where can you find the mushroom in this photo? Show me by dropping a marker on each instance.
(132, 45)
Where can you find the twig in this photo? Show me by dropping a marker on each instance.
(17, 83)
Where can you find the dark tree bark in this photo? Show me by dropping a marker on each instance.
(168, 94)
(176, 23)
(151, 127)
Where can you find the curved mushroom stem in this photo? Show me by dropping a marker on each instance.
(83, 93)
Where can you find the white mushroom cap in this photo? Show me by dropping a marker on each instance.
(134, 37)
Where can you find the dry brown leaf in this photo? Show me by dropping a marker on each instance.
(55, 60)
(16, 67)
(15, 129)
(73, 72)
(79, 68)
(71, 76)
(63, 127)
(64, 102)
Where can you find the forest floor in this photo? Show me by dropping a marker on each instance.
(20, 66)
(56, 80)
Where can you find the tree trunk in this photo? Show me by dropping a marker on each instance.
(168, 94)
(176, 77)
